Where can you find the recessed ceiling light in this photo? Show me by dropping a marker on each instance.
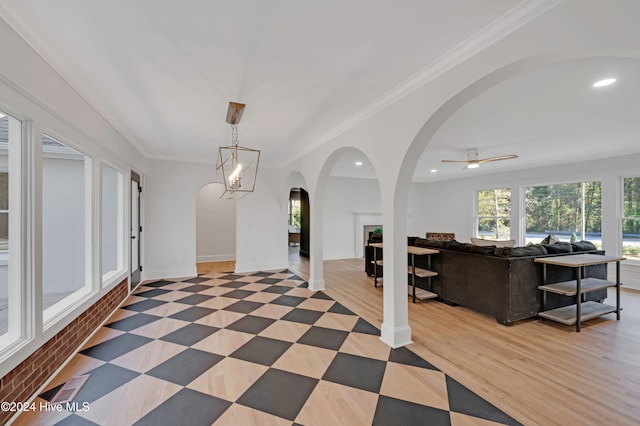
(434, 170)
(358, 163)
(604, 82)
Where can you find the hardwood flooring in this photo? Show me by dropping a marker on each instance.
(255, 348)
(538, 371)
(208, 267)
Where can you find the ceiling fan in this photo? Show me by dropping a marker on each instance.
(473, 162)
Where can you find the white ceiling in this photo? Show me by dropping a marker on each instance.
(163, 72)
(549, 115)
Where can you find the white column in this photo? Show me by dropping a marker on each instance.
(316, 267)
(395, 326)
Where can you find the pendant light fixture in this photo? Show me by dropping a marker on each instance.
(237, 166)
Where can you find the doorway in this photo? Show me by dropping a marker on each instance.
(298, 221)
(136, 230)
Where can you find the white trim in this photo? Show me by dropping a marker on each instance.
(316, 285)
(168, 273)
(121, 265)
(216, 258)
(395, 337)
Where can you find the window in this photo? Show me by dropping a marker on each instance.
(494, 214)
(570, 211)
(294, 208)
(4, 211)
(65, 252)
(10, 253)
(631, 218)
(112, 222)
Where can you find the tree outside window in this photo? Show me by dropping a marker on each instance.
(494, 214)
(631, 218)
(294, 213)
(570, 211)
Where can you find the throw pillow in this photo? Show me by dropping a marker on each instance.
(455, 245)
(560, 247)
(583, 246)
(422, 242)
(534, 250)
(497, 243)
(550, 239)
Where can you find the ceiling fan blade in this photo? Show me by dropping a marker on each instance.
(454, 161)
(499, 158)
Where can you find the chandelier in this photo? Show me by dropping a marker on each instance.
(237, 166)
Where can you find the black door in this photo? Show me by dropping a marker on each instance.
(304, 223)
(136, 229)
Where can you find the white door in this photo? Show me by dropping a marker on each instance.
(135, 230)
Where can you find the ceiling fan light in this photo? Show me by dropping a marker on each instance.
(604, 82)
(472, 166)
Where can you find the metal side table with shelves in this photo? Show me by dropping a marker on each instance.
(580, 311)
(411, 269)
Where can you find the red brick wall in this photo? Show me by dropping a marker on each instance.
(23, 381)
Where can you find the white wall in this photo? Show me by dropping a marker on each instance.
(170, 193)
(419, 209)
(344, 198)
(262, 231)
(215, 226)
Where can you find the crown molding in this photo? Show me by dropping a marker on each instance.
(14, 19)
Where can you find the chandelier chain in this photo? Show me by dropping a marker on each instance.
(234, 134)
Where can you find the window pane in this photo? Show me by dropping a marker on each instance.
(494, 214)
(4, 210)
(571, 211)
(63, 221)
(10, 141)
(632, 197)
(112, 215)
(631, 223)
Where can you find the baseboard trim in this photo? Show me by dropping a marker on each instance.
(169, 273)
(216, 258)
(396, 337)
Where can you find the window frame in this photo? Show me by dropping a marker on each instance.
(580, 180)
(635, 260)
(65, 306)
(18, 312)
(116, 275)
(476, 231)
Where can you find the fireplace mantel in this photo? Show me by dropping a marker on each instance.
(360, 220)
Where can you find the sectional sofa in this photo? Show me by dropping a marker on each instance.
(501, 281)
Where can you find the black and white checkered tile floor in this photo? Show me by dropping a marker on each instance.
(253, 349)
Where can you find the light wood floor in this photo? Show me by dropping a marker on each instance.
(540, 372)
(207, 267)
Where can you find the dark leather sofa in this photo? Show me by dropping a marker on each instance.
(502, 282)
